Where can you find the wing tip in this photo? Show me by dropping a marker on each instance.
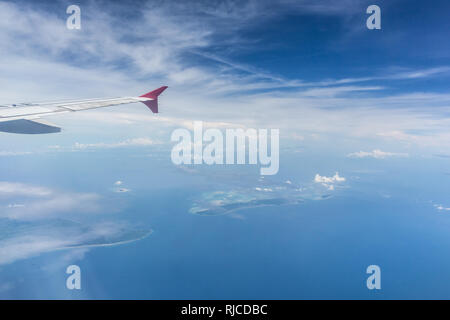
(155, 93)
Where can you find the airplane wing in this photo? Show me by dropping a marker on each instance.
(25, 117)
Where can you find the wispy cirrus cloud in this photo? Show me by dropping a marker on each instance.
(11, 189)
(376, 153)
(14, 153)
(120, 144)
(190, 47)
(38, 202)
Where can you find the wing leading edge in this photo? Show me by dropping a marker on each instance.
(21, 118)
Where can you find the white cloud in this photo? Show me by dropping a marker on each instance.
(441, 207)
(8, 189)
(27, 246)
(46, 220)
(14, 153)
(377, 154)
(16, 205)
(125, 143)
(167, 35)
(328, 182)
(323, 179)
(31, 242)
(62, 261)
(55, 206)
(40, 202)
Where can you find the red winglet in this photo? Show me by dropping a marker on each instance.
(153, 104)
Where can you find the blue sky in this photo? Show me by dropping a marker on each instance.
(226, 58)
(372, 105)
